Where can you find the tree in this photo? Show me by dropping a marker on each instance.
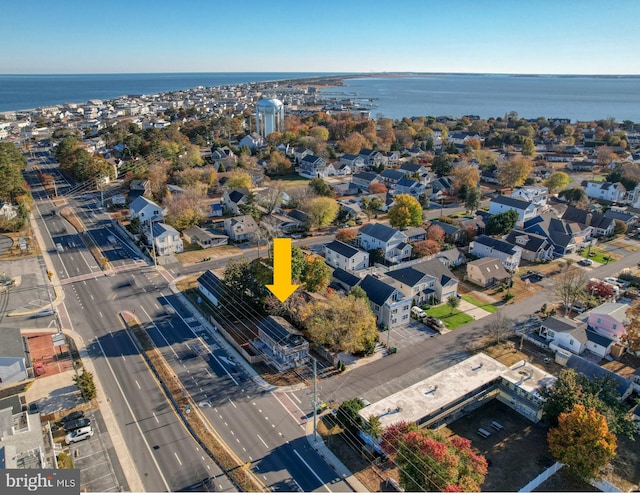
(358, 292)
(557, 181)
(346, 235)
(85, 383)
(348, 417)
(582, 440)
(499, 327)
(321, 211)
(620, 227)
(422, 249)
(12, 185)
(342, 323)
(405, 212)
(574, 196)
(442, 164)
(373, 427)
(604, 155)
(371, 204)
(238, 179)
(472, 199)
(377, 188)
(316, 274)
(569, 286)
(465, 176)
(453, 302)
(514, 171)
(501, 223)
(429, 461)
(528, 147)
(631, 337)
(600, 288)
(320, 187)
(435, 233)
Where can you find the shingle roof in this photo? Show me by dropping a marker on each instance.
(408, 276)
(392, 174)
(497, 244)
(281, 331)
(447, 227)
(436, 269)
(377, 291)
(140, 202)
(342, 249)
(592, 370)
(561, 324)
(346, 277)
(212, 283)
(379, 231)
(534, 241)
(598, 339)
(236, 196)
(511, 202)
(160, 228)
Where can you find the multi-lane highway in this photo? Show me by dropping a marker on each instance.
(255, 423)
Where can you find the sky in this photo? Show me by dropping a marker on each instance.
(353, 36)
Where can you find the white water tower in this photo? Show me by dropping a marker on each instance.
(269, 117)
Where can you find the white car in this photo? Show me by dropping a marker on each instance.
(78, 435)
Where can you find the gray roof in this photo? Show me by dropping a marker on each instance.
(447, 227)
(497, 244)
(592, 370)
(11, 343)
(515, 203)
(379, 231)
(342, 249)
(212, 283)
(408, 276)
(598, 339)
(437, 270)
(160, 228)
(140, 202)
(392, 174)
(561, 324)
(347, 278)
(281, 331)
(534, 241)
(377, 291)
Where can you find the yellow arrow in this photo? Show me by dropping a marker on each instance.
(282, 287)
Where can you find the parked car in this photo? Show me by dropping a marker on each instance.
(535, 273)
(72, 416)
(434, 323)
(578, 308)
(78, 435)
(76, 424)
(33, 408)
(418, 312)
(585, 262)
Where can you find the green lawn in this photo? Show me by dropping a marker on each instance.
(451, 320)
(599, 256)
(486, 306)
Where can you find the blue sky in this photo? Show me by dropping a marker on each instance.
(519, 36)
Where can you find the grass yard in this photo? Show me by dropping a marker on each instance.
(197, 255)
(451, 319)
(486, 306)
(600, 256)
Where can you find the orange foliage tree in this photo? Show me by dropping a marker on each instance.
(582, 440)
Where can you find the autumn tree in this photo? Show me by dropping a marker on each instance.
(604, 155)
(435, 233)
(569, 286)
(600, 288)
(278, 163)
(583, 442)
(465, 176)
(316, 274)
(321, 211)
(514, 171)
(371, 204)
(377, 188)
(556, 182)
(422, 249)
(405, 212)
(346, 235)
(528, 147)
(620, 227)
(238, 179)
(185, 210)
(343, 324)
(431, 462)
(574, 196)
(631, 337)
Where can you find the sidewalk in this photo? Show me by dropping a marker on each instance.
(334, 463)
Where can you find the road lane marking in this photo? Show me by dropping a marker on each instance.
(296, 398)
(100, 313)
(91, 296)
(156, 417)
(263, 442)
(122, 355)
(161, 334)
(233, 404)
(312, 471)
(139, 387)
(231, 431)
(179, 461)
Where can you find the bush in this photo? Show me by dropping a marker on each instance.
(508, 297)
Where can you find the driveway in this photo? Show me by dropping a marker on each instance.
(472, 310)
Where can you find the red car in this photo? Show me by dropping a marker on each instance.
(39, 369)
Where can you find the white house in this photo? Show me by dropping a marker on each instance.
(241, 228)
(340, 255)
(537, 195)
(166, 239)
(210, 286)
(508, 254)
(252, 141)
(145, 210)
(525, 209)
(564, 333)
(393, 242)
(231, 200)
(390, 305)
(13, 353)
(609, 191)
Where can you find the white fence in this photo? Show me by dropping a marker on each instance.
(541, 478)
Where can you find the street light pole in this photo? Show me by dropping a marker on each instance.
(153, 244)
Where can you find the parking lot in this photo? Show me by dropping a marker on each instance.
(97, 461)
(408, 335)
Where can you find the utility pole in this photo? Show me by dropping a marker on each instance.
(153, 244)
(315, 400)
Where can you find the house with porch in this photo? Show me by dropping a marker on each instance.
(231, 200)
(608, 191)
(446, 284)
(145, 210)
(379, 236)
(372, 158)
(534, 247)
(601, 224)
(408, 186)
(241, 228)
(315, 166)
(564, 333)
(525, 209)
(281, 344)
(565, 236)
(203, 238)
(537, 195)
(484, 246)
(166, 239)
(354, 162)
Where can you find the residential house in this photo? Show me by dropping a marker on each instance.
(391, 307)
(340, 255)
(342, 169)
(139, 188)
(608, 191)
(624, 386)
(460, 139)
(300, 218)
(232, 200)
(363, 180)
(223, 157)
(628, 218)
(252, 141)
(166, 239)
(393, 158)
(145, 210)
(487, 272)
(210, 286)
(353, 210)
(442, 186)
(525, 209)
(373, 158)
(417, 285)
(300, 152)
(174, 190)
(379, 236)
(566, 236)
(203, 238)
(508, 254)
(14, 354)
(408, 186)
(537, 195)
(314, 166)
(416, 171)
(390, 176)
(564, 333)
(601, 225)
(354, 162)
(415, 234)
(281, 344)
(608, 319)
(534, 247)
(446, 284)
(215, 210)
(451, 257)
(344, 280)
(241, 228)
(453, 234)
